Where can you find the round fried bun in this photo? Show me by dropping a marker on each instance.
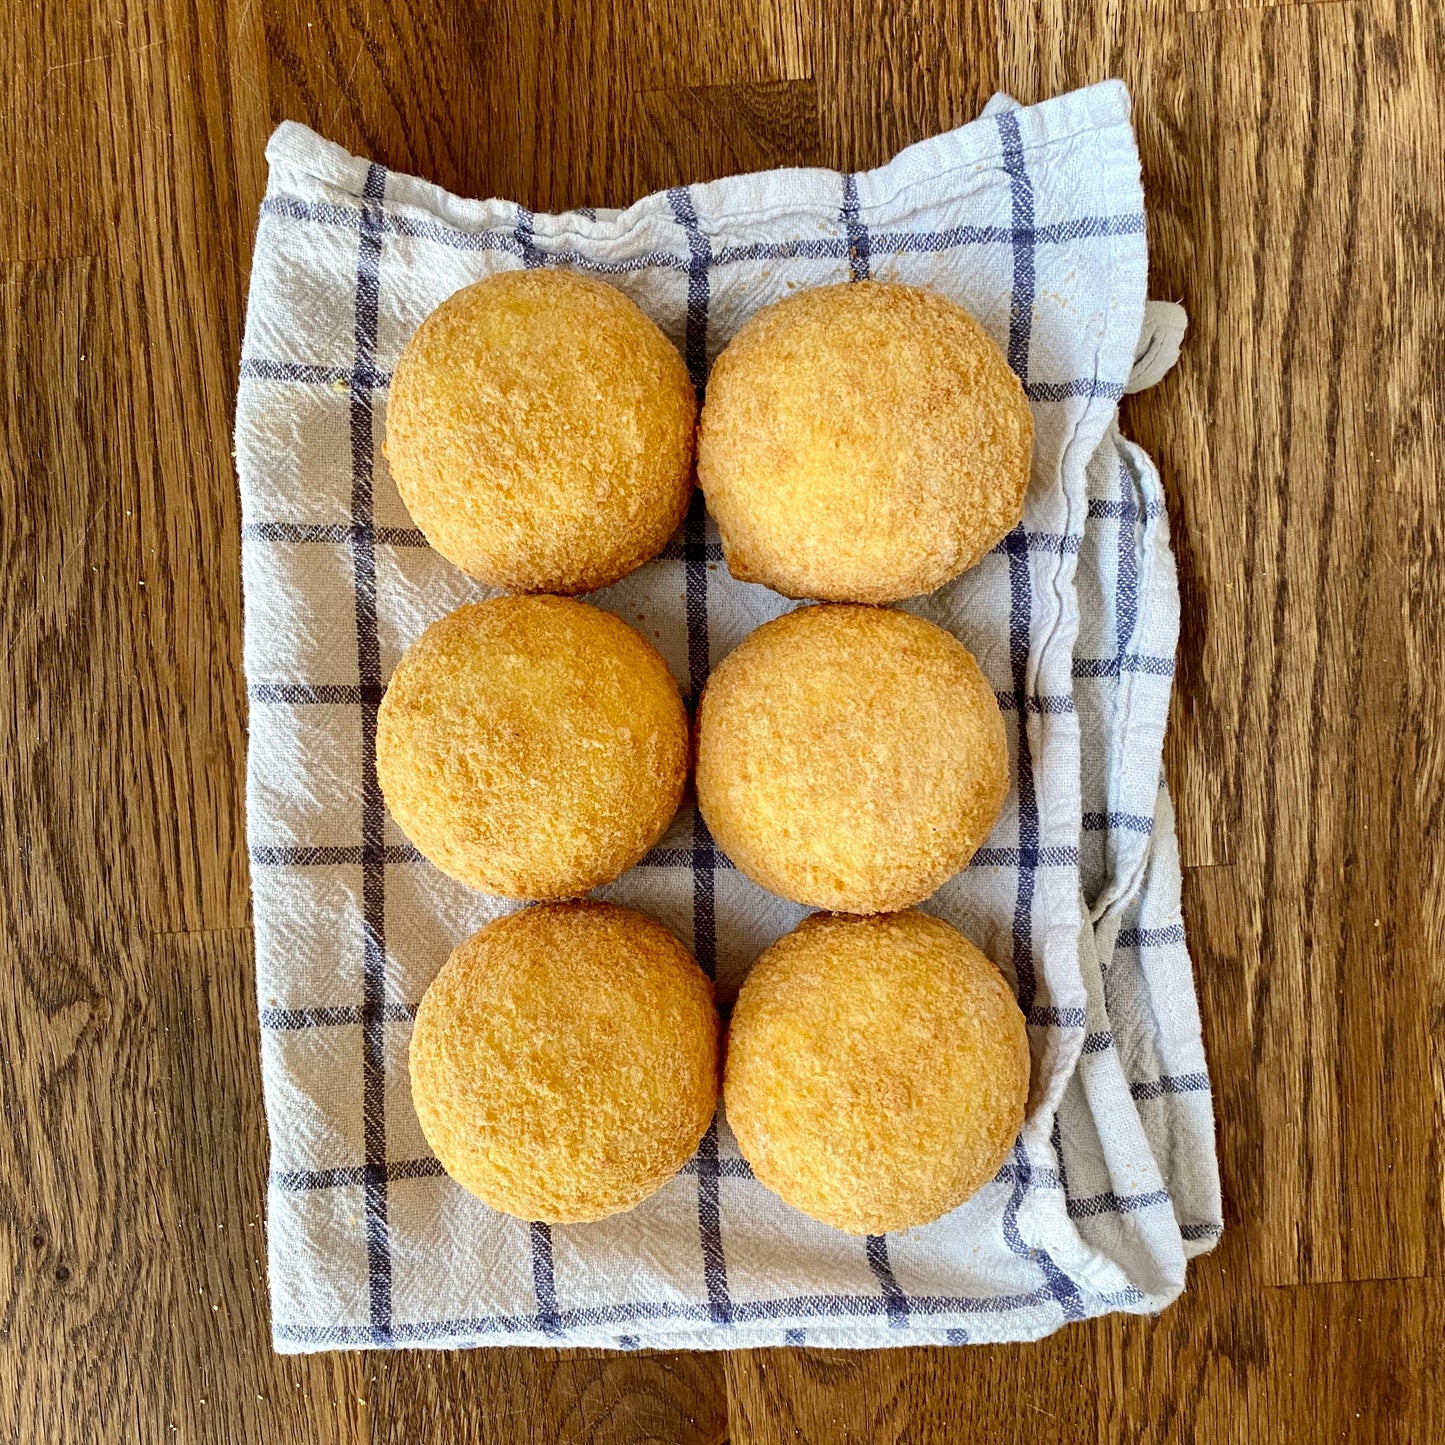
(532, 746)
(564, 1063)
(851, 758)
(540, 431)
(877, 1070)
(862, 443)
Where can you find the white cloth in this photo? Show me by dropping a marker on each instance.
(1033, 219)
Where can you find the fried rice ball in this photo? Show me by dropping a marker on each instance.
(851, 758)
(540, 431)
(862, 443)
(877, 1070)
(532, 746)
(564, 1063)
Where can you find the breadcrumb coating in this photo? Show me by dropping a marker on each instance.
(851, 758)
(564, 1062)
(862, 443)
(534, 747)
(540, 430)
(877, 1070)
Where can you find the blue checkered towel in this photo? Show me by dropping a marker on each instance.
(1033, 219)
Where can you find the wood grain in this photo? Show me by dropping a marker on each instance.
(996, 1394)
(680, 136)
(1293, 162)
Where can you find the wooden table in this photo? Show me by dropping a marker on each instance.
(1294, 167)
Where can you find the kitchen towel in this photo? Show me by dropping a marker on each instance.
(1033, 219)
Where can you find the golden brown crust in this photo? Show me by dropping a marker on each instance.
(534, 747)
(540, 430)
(851, 758)
(877, 1070)
(863, 442)
(564, 1062)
